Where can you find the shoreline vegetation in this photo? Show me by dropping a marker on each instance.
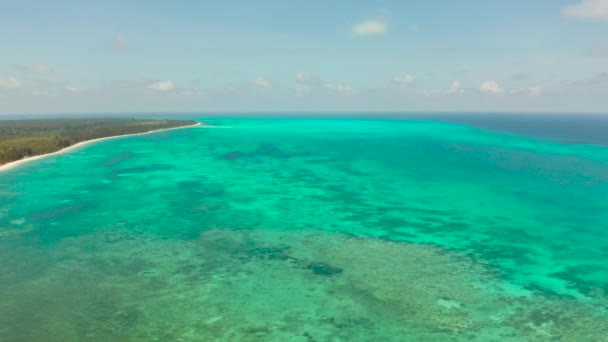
(23, 141)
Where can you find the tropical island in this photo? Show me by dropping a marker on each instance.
(21, 139)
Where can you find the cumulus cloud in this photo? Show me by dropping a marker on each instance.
(341, 89)
(261, 82)
(587, 10)
(404, 80)
(374, 26)
(491, 87)
(9, 82)
(456, 88)
(371, 27)
(161, 86)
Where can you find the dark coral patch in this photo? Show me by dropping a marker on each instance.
(271, 253)
(233, 155)
(324, 269)
(117, 159)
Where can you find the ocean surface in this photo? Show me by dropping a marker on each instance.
(312, 230)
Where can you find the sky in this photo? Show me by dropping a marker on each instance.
(112, 56)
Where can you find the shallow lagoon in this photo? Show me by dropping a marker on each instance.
(308, 230)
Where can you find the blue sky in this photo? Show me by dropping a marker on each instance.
(202, 56)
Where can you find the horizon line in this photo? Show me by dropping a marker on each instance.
(306, 112)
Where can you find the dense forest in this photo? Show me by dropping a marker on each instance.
(24, 138)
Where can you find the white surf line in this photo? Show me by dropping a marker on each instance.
(16, 163)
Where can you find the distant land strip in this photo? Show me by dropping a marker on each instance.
(21, 140)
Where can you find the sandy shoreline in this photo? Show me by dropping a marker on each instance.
(20, 162)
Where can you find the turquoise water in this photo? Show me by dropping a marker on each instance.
(308, 230)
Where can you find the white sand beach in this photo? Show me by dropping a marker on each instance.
(20, 162)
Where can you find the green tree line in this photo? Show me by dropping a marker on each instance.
(24, 138)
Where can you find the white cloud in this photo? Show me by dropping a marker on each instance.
(491, 87)
(456, 88)
(371, 27)
(9, 83)
(75, 90)
(161, 86)
(341, 89)
(261, 82)
(404, 80)
(587, 10)
(531, 91)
